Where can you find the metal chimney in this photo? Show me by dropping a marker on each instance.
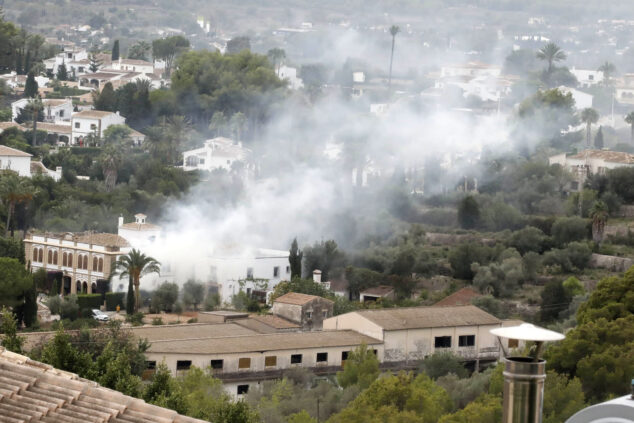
(524, 376)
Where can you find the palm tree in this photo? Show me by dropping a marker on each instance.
(599, 216)
(608, 69)
(110, 161)
(589, 116)
(394, 29)
(629, 118)
(14, 190)
(551, 53)
(135, 265)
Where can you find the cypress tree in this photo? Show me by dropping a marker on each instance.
(106, 100)
(31, 88)
(115, 50)
(62, 73)
(598, 139)
(129, 301)
(295, 260)
(30, 307)
(468, 213)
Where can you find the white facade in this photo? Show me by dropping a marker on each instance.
(140, 234)
(587, 78)
(470, 69)
(582, 100)
(591, 161)
(54, 110)
(93, 122)
(290, 74)
(15, 160)
(130, 65)
(217, 153)
(75, 59)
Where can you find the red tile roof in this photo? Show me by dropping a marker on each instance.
(460, 297)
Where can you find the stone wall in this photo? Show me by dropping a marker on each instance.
(613, 263)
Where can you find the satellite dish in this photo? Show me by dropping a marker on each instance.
(527, 332)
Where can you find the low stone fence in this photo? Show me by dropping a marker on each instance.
(613, 263)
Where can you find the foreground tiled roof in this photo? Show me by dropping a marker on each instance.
(296, 298)
(428, 317)
(460, 297)
(380, 290)
(31, 391)
(275, 322)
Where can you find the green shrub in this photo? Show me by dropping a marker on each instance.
(569, 229)
(157, 321)
(193, 320)
(89, 301)
(136, 319)
(114, 299)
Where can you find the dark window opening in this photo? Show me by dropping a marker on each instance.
(276, 271)
(321, 357)
(344, 355)
(466, 340)
(296, 359)
(442, 342)
(243, 389)
(183, 364)
(216, 364)
(150, 365)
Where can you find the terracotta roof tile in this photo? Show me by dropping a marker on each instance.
(460, 297)
(297, 298)
(8, 151)
(428, 317)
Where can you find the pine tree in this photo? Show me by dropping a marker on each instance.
(95, 63)
(598, 139)
(129, 301)
(295, 260)
(106, 100)
(62, 73)
(31, 88)
(115, 50)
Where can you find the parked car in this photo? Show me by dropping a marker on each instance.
(100, 315)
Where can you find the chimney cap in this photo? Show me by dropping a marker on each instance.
(316, 272)
(527, 332)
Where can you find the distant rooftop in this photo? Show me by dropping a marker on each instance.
(428, 317)
(378, 291)
(97, 114)
(296, 298)
(8, 151)
(460, 297)
(608, 156)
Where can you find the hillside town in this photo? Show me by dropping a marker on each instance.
(300, 213)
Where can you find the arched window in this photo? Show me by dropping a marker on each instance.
(49, 257)
(55, 257)
(78, 287)
(64, 259)
(70, 259)
(100, 264)
(84, 288)
(40, 255)
(93, 288)
(94, 264)
(34, 254)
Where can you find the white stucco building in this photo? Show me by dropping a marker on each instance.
(74, 58)
(470, 69)
(93, 122)
(140, 234)
(132, 65)
(15, 160)
(290, 74)
(411, 334)
(582, 100)
(586, 77)
(591, 161)
(216, 153)
(55, 110)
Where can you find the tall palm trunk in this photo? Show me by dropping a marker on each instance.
(137, 296)
(389, 80)
(632, 133)
(588, 134)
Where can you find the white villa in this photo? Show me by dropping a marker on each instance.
(582, 100)
(54, 110)
(132, 65)
(140, 234)
(591, 162)
(586, 77)
(93, 122)
(290, 74)
(471, 69)
(217, 153)
(75, 59)
(15, 160)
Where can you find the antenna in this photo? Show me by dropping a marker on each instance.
(524, 376)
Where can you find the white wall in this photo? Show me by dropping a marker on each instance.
(22, 165)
